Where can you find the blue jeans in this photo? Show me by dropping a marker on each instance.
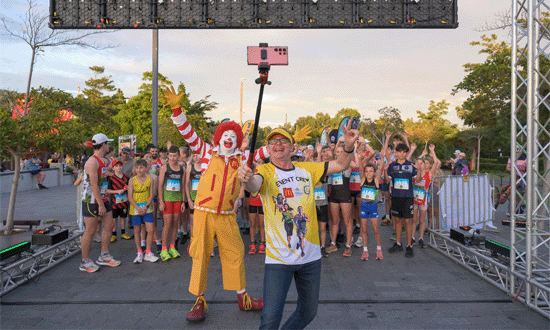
(277, 280)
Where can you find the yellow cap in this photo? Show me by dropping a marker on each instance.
(281, 131)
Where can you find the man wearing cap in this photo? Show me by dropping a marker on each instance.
(127, 161)
(301, 259)
(96, 206)
(454, 160)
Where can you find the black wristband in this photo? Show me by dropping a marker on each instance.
(349, 152)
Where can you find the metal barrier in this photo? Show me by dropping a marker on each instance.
(461, 200)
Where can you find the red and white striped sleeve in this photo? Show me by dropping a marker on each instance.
(261, 154)
(188, 133)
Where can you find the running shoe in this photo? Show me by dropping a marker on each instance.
(365, 255)
(107, 260)
(139, 258)
(386, 222)
(252, 248)
(331, 248)
(379, 254)
(421, 243)
(96, 238)
(113, 238)
(151, 257)
(164, 255)
(395, 248)
(409, 253)
(88, 266)
(359, 242)
(324, 252)
(174, 253)
(347, 251)
(393, 237)
(262, 248)
(125, 236)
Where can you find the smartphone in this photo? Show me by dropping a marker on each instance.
(272, 55)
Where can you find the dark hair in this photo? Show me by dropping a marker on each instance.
(374, 167)
(98, 146)
(398, 137)
(401, 147)
(174, 150)
(141, 162)
(149, 146)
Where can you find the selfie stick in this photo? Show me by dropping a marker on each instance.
(263, 67)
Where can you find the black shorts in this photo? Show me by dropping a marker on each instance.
(256, 209)
(289, 228)
(339, 200)
(402, 207)
(91, 210)
(384, 187)
(322, 213)
(354, 194)
(123, 213)
(36, 172)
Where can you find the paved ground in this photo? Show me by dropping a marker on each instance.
(426, 292)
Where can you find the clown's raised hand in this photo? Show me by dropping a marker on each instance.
(172, 98)
(302, 133)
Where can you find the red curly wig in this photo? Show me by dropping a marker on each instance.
(228, 126)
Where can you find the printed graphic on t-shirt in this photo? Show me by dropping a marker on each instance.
(320, 194)
(173, 185)
(399, 183)
(292, 233)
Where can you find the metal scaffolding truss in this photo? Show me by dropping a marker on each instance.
(530, 125)
(25, 270)
(496, 270)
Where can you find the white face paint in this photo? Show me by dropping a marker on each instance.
(228, 143)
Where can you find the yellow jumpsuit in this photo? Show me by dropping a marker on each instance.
(213, 217)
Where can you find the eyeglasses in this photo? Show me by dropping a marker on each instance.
(273, 142)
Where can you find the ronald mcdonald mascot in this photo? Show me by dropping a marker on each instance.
(214, 217)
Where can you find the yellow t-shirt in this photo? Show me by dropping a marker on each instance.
(288, 198)
(141, 194)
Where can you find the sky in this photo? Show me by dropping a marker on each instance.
(363, 69)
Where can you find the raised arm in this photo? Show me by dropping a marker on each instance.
(184, 127)
(342, 163)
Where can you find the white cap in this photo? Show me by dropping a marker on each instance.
(457, 151)
(99, 139)
(299, 154)
(310, 147)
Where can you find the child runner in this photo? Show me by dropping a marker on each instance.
(140, 196)
(401, 173)
(170, 197)
(370, 187)
(422, 181)
(118, 186)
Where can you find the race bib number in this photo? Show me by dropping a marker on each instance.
(173, 185)
(337, 179)
(142, 205)
(195, 184)
(103, 189)
(121, 198)
(320, 194)
(402, 184)
(369, 194)
(355, 177)
(419, 194)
